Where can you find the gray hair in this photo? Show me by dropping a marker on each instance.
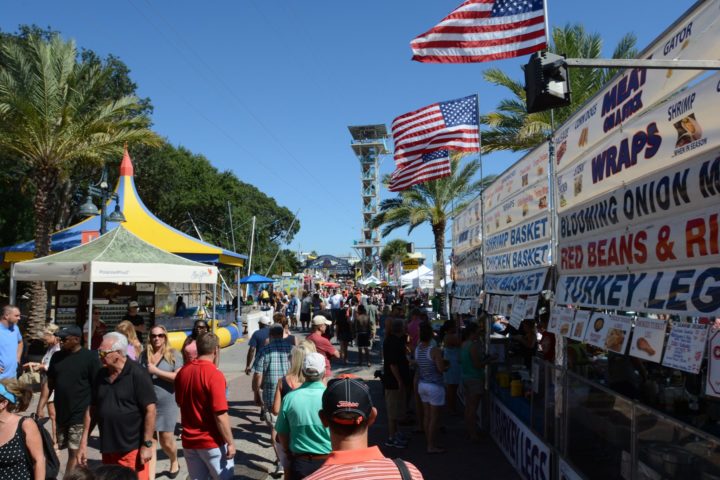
(120, 342)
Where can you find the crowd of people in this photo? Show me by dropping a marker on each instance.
(136, 392)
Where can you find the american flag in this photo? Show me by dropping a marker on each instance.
(424, 138)
(484, 30)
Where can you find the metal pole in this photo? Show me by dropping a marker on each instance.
(214, 320)
(103, 220)
(12, 294)
(279, 248)
(252, 242)
(547, 25)
(90, 320)
(232, 230)
(194, 226)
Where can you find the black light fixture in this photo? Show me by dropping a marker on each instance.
(547, 82)
(102, 191)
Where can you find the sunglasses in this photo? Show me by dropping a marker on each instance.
(157, 335)
(105, 353)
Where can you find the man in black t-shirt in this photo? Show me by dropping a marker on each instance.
(122, 404)
(69, 377)
(396, 379)
(136, 319)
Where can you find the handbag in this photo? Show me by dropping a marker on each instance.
(52, 463)
(30, 377)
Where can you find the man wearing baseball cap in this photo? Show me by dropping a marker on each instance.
(137, 320)
(301, 433)
(322, 344)
(348, 412)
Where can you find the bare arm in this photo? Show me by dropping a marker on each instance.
(277, 400)
(284, 440)
(148, 431)
(33, 443)
(437, 357)
(396, 373)
(88, 426)
(19, 351)
(223, 423)
(248, 362)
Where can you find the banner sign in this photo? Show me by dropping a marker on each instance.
(561, 321)
(521, 259)
(527, 203)
(712, 386)
(466, 230)
(610, 332)
(471, 272)
(681, 127)
(695, 36)
(582, 318)
(527, 283)
(525, 233)
(467, 290)
(681, 240)
(693, 291)
(525, 451)
(648, 339)
(566, 472)
(686, 347)
(691, 185)
(529, 170)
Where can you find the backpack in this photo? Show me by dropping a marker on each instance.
(52, 464)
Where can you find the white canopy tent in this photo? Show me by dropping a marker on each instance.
(371, 280)
(421, 278)
(117, 256)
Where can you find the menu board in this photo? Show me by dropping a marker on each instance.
(531, 306)
(648, 339)
(505, 306)
(582, 317)
(518, 312)
(610, 332)
(686, 347)
(493, 304)
(561, 320)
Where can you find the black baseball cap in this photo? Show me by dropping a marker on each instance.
(70, 331)
(347, 401)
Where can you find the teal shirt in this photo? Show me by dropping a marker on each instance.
(299, 419)
(468, 369)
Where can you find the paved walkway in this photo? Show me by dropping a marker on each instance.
(255, 456)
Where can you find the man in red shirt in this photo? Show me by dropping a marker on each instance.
(347, 410)
(322, 344)
(200, 392)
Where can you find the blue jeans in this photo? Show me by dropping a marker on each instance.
(204, 464)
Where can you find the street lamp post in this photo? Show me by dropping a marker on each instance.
(103, 192)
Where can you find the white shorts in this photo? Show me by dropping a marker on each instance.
(432, 393)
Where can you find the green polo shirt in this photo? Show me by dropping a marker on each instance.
(299, 419)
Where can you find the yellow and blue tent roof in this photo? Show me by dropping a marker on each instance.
(138, 220)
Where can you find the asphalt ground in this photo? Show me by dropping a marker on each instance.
(255, 456)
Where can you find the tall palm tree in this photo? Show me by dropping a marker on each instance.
(433, 202)
(393, 251)
(51, 118)
(512, 128)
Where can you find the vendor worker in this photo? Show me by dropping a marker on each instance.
(137, 320)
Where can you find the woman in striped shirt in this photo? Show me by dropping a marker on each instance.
(431, 387)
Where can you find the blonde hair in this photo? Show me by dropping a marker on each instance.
(297, 358)
(126, 328)
(168, 352)
(50, 329)
(22, 393)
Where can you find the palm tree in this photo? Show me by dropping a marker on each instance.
(512, 128)
(433, 202)
(52, 117)
(393, 251)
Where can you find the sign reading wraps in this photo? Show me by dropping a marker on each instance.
(695, 36)
(521, 283)
(680, 127)
(525, 451)
(693, 291)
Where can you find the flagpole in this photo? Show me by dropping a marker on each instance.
(547, 25)
(482, 202)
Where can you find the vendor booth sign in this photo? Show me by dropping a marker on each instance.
(610, 332)
(648, 339)
(713, 378)
(525, 451)
(686, 347)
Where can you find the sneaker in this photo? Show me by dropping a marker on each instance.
(394, 442)
(279, 470)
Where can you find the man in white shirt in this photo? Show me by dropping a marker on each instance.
(336, 304)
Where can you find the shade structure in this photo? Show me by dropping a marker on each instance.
(256, 278)
(140, 221)
(372, 280)
(117, 256)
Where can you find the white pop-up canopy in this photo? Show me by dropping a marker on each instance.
(117, 256)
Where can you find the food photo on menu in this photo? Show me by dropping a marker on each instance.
(648, 339)
(609, 332)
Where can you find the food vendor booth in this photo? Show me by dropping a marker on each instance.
(67, 299)
(601, 279)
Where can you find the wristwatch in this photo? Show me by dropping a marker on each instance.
(147, 443)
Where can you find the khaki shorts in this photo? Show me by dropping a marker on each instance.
(395, 404)
(69, 436)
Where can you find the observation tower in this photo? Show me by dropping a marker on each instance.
(368, 143)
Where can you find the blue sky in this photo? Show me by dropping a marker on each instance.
(267, 89)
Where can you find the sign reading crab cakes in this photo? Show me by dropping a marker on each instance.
(686, 347)
(648, 339)
(582, 317)
(610, 332)
(561, 320)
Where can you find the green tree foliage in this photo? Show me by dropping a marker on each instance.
(510, 127)
(52, 119)
(393, 251)
(433, 202)
(181, 187)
